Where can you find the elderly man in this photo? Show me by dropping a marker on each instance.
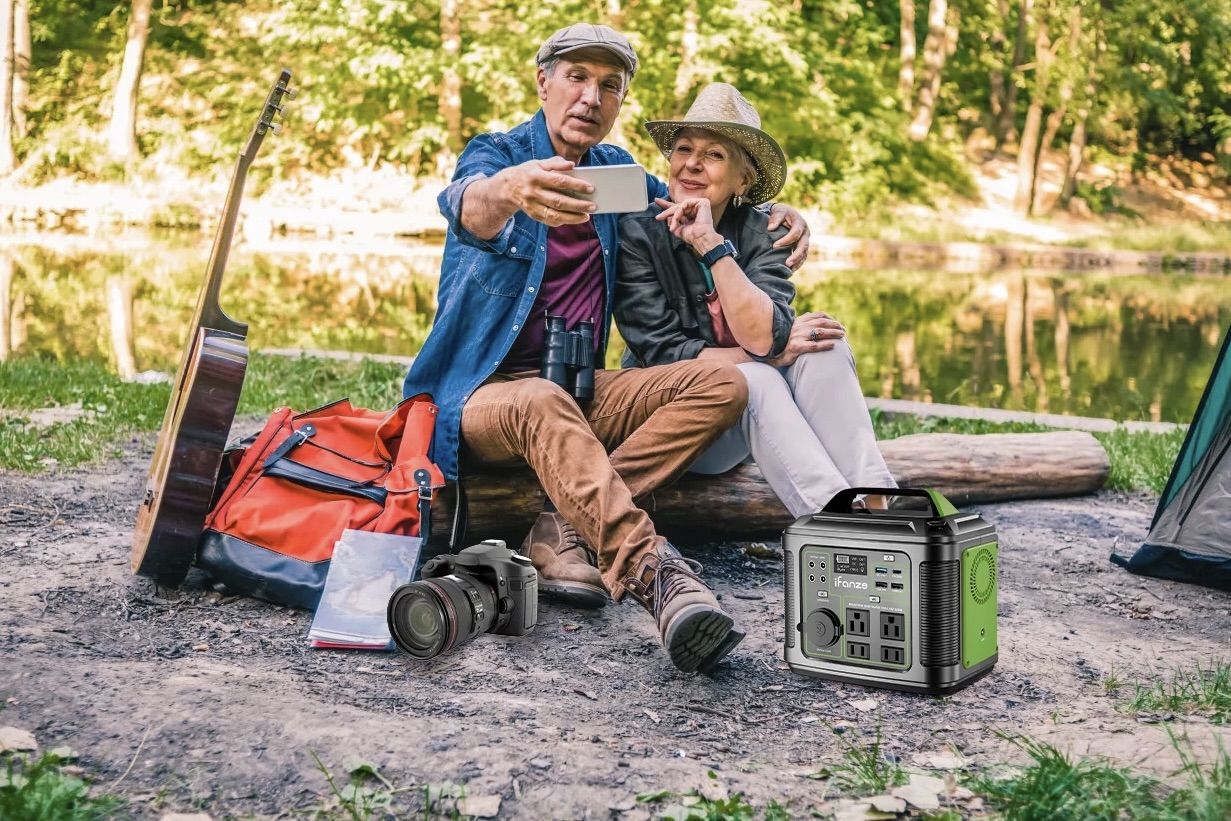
(523, 246)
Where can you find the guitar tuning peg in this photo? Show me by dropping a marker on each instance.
(275, 127)
(292, 93)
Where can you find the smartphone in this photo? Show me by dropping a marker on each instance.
(617, 188)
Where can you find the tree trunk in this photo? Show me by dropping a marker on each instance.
(1077, 143)
(615, 14)
(122, 133)
(1056, 118)
(690, 42)
(1006, 128)
(8, 160)
(21, 65)
(451, 81)
(6, 304)
(1023, 198)
(935, 48)
(906, 71)
(966, 468)
(998, 98)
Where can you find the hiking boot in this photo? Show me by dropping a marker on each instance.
(566, 564)
(695, 631)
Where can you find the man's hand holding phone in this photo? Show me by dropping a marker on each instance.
(546, 191)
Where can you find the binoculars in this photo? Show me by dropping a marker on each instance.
(568, 357)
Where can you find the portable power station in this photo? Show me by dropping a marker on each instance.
(899, 598)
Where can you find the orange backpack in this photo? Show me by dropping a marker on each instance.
(307, 477)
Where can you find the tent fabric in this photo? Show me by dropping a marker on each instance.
(1190, 535)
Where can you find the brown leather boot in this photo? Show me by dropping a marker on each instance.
(695, 631)
(567, 566)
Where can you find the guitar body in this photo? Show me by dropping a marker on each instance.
(188, 457)
(198, 419)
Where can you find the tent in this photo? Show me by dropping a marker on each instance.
(1190, 536)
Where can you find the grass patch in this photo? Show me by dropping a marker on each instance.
(1055, 786)
(39, 790)
(864, 769)
(96, 412)
(1140, 460)
(1203, 691)
(694, 806)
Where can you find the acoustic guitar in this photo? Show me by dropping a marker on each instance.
(198, 420)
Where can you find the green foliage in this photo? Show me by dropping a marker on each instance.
(39, 790)
(1204, 691)
(1053, 786)
(1140, 461)
(864, 768)
(695, 806)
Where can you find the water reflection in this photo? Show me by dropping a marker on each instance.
(1093, 344)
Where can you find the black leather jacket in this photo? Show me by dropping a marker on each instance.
(660, 288)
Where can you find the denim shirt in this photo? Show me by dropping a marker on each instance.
(487, 287)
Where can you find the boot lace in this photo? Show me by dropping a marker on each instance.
(675, 575)
(570, 540)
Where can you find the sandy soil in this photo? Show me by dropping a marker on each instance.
(191, 700)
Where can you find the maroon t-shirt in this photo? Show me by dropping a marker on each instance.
(574, 286)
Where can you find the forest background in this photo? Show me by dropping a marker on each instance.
(875, 103)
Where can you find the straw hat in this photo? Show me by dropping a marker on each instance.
(722, 109)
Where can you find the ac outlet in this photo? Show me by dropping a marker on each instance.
(892, 626)
(892, 655)
(857, 650)
(858, 622)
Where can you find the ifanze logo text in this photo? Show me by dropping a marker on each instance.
(838, 581)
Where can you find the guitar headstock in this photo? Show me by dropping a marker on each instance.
(273, 106)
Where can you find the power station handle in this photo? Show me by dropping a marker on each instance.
(841, 502)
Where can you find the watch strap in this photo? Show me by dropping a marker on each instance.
(727, 249)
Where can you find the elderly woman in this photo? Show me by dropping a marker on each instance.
(699, 277)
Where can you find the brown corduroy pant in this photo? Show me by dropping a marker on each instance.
(642, 430)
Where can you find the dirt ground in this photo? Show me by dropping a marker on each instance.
(188, 700)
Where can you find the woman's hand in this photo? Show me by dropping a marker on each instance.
(810, 332)
(691, 220)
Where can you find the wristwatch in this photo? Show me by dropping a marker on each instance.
(727, 249)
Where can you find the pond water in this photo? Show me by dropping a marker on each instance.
(1126, 347)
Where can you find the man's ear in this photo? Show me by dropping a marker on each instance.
(541, 82)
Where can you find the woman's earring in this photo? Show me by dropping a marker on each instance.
(737, 200)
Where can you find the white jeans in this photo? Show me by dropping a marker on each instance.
(808, 430)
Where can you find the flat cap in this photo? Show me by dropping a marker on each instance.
(589, 35)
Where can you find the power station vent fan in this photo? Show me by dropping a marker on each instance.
(982, 576)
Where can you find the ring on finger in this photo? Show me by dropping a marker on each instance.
(813, 336)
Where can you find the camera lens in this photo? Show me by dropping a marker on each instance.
(432, 616)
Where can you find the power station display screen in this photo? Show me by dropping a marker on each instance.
(850, 565)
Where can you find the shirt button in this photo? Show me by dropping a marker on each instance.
(530, 289)
(515, 327)
(513, 250)
(700, 298)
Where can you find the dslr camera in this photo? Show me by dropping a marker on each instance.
(484, 588)
(568, 357)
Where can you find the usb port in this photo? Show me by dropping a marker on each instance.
(882, 586)
(882, 571)
(897, 572)
(896, 586)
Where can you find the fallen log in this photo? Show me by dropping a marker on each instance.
(739, 504)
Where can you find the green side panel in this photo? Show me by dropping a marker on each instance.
(943, 505)
(980, 582)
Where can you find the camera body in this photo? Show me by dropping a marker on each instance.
(568, 357)
(510, 575)
(484, 588)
